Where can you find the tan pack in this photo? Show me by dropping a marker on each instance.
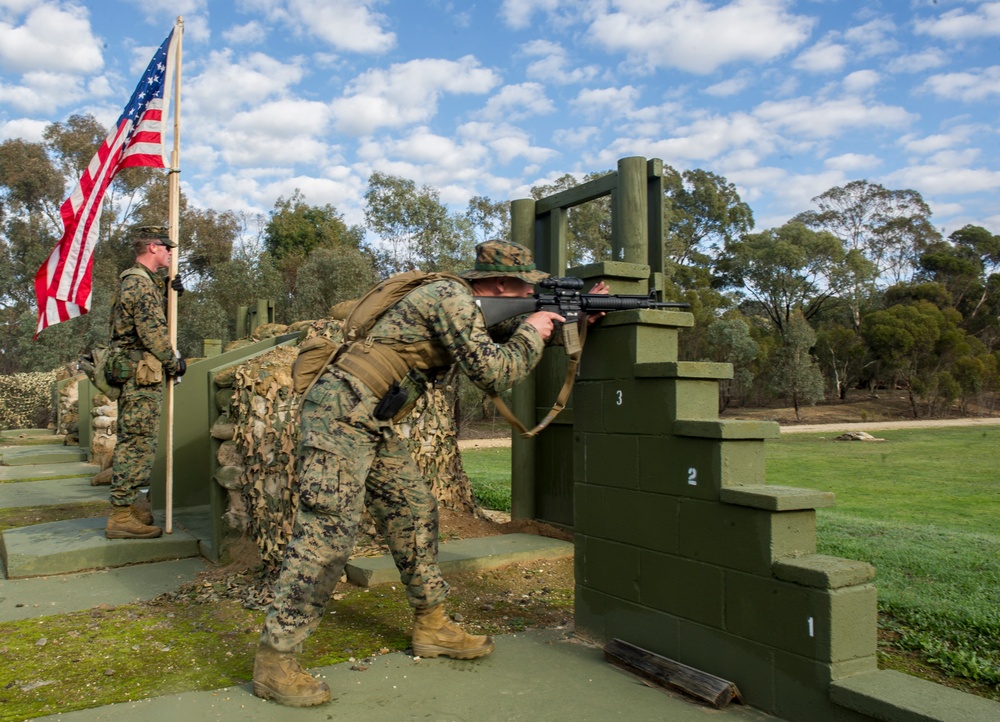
(149, 370)
(318, 352)
(314, 356)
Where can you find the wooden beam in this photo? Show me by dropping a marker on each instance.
(671, 674)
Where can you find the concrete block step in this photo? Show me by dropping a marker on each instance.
(39, 472)
(76, 545)
(896, 697)
(464, 555)
(26, 455)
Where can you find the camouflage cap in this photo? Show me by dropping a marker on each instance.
(504, 258)
(154, 233)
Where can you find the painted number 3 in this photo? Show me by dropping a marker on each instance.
(618, 397)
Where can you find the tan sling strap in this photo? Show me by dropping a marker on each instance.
(574, 337)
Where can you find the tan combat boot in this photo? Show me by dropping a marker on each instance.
(122, 524)
(435, 634)
(279, 676)
(143, 510)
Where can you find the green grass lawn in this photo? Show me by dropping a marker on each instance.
(923, 507)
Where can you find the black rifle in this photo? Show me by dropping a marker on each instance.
(562, 296)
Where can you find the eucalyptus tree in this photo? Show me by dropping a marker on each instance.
(415, 228)
(887, 228)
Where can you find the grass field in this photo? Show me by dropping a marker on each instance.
(923, 507)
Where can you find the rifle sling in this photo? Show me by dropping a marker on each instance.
(574, 337)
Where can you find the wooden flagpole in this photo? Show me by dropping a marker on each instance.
(174, 219)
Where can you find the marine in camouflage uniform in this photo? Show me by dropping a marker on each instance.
(347, 455)
(139, 325)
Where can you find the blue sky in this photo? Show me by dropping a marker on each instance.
(786, 99)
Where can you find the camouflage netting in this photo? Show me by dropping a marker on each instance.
(259, 436)
(26, 400)
(68, 414)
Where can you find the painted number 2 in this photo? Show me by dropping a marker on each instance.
(693, 476)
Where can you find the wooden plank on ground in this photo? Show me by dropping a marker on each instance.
(666, 672)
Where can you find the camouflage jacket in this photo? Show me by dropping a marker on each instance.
(445, 313)
(139, 321)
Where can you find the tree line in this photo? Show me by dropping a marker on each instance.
(861, 291)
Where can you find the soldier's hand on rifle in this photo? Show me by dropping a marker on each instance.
(177, 285)
(182, 367)
(544, 322)
(603, 289)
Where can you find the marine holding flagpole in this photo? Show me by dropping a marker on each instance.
(142, 340)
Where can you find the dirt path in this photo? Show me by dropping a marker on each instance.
(838, 427)
(841, 427)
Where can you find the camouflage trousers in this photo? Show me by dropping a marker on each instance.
(349, 460)
(135, 445)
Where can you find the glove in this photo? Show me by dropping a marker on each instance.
(182, 367)
(177, 285)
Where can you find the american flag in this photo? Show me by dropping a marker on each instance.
(63, 283)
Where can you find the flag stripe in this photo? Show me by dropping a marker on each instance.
(63, 283)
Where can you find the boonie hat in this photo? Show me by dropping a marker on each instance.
(504, 258)
(154, 233)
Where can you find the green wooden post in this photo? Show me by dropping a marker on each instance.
(522, 221)
(631, 222)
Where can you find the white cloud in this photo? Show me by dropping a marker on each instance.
(349, 25)
(29, 130)
(873, 38)
(507, 142)
(518, 13)
(516, 102)
(731, 86)
(861, 81)
(917, 62)
(553, 64)
(606, 102)
(247, 34)
(850, 162)
(284, 118)
(936, 179)
(695, 36)
(41, 92)
(970, 87)
(52, 38)
(576, 137)
(823, 57)
(224, 84)
(960, 24)
(407, 93)
(925, 145)
(827, 118)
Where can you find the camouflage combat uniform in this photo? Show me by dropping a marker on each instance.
(139, 324)
(347, 455)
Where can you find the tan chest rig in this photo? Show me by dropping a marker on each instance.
(384, 365)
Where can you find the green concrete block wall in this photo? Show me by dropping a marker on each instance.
(609, 567)
(607, 459)
(681, 587)
(743, 539)
(612, 352)
(604, 616)
(698, 468)
(801, 687)
(747, 664)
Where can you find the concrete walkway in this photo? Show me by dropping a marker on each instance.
(542, 675)
(531, 676)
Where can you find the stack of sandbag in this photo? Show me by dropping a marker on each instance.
(104, 415)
